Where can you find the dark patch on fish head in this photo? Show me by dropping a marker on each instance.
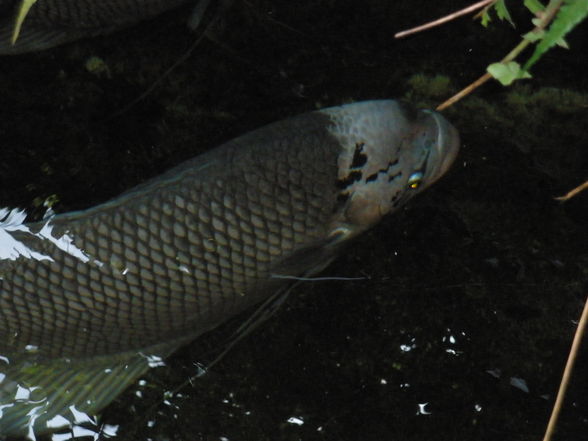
(390, 152)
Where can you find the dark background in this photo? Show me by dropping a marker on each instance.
(475, 286)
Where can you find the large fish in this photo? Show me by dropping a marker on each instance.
(90, 299)
(32, 25)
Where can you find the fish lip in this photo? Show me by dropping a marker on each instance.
(447, 145)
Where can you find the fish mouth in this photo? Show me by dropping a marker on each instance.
(446, 147)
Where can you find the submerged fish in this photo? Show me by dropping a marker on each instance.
(32, 25)
(90, 299)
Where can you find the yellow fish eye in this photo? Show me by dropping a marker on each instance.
(415, 180)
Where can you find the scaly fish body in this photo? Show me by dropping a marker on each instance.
(92, 298)
(49, 23)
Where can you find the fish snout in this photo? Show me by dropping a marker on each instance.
(446, 146)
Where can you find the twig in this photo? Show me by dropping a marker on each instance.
(573, 192)
(463, 92)
(567, 373)
(445, 19)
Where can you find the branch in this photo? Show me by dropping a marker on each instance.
(445, 19)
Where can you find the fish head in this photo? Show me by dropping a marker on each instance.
(390, 152)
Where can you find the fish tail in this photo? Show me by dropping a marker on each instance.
(37, 398)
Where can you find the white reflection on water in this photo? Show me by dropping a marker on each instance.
(64, 243)
(12, 248)
(24, 393)
(105, 432)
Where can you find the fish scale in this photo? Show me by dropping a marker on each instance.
(94, 298)
(93, 13)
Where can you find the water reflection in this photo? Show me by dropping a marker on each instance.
(17, 240)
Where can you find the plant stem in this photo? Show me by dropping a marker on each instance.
(567, 373)
(573, 192)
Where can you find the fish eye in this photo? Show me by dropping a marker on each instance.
(415, 180)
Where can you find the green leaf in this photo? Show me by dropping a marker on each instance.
(485, 18)
(569, 15)
(502, 12)
(562, 43)
(534, 6)
(506, 73)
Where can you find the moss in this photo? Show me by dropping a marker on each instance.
(437, 86)
(98, 67)
(525, 99)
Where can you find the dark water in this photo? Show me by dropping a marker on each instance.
(462, 328)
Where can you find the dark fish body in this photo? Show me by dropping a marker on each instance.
(89, 300)
(53, 22)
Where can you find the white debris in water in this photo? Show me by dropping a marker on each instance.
(519, 383)
(408, 347)
(453, 352)
(153, 360)
(496, 373)
(296, 420)
(423, 409)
